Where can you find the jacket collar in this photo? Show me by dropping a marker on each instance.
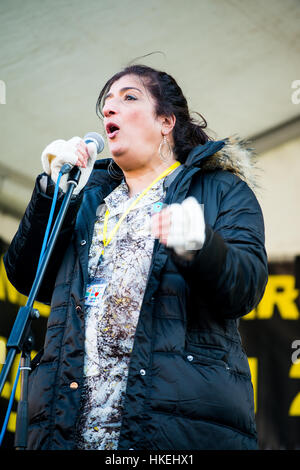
(232, 154)
(199, 153)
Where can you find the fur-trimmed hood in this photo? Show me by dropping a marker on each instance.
(235, 156)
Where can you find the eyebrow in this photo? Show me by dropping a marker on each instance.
(122, 90)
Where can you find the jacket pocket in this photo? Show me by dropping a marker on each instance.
(207, 354)
(202, 387)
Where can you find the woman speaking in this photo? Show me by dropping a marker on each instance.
(161, 252)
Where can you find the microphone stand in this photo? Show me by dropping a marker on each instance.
(20, 339)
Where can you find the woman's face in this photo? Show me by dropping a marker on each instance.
(133, 131)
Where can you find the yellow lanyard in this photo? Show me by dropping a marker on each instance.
(106, 241)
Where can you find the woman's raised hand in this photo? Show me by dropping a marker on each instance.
(75, 152)
(180, 226)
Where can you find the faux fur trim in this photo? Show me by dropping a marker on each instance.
(236, 156)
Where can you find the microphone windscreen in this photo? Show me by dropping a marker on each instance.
(97, 138)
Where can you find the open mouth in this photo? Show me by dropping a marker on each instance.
(112, 129)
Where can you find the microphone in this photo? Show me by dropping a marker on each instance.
(75, 172)
(97, 139)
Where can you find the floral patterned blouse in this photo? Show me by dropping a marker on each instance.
(113, 301)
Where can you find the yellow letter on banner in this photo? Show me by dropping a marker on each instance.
(9, 294)
(280, 291)
(253, 364)
(295, 405)
(2, 350)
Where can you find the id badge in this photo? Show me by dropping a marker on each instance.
(94, 292)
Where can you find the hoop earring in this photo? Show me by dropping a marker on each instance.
(165, 155)
(114, 171)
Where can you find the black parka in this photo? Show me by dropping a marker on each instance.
(189, 384)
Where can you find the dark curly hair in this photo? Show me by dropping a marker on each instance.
(169, 99)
